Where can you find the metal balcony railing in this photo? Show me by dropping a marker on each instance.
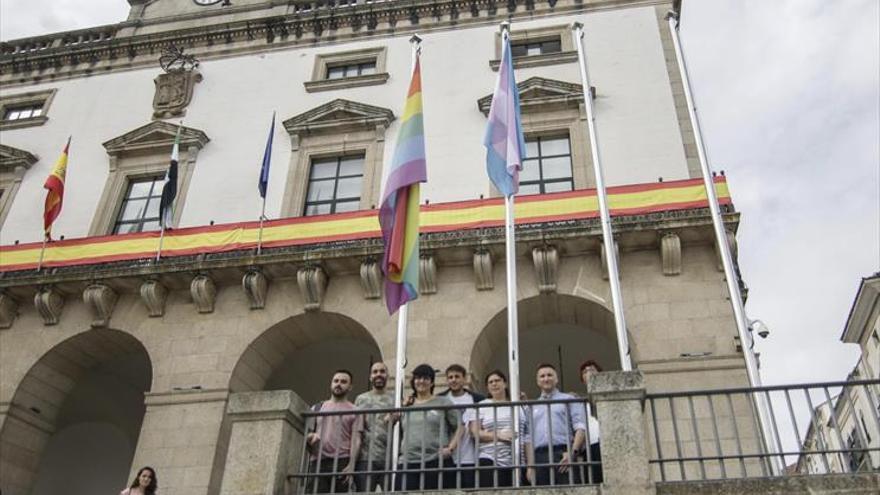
(545, 430)
(815, 428)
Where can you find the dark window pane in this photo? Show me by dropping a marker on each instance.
(348, 188)
(321, 190)
(518, 50)
(322, 169)
(556, 168)
(351, 165)
(317, 209)
(553, 46)
(555, 146)
(344, 206)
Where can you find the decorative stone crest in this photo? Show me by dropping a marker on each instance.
(256, 287)
(153, 294)
(483, 270)
(8, 310)
(670, 253)
(371, 279)
(49, 303)
(204, 293)
(101, 299)
(312, 281)
(604, 261)
(427, 274)
(174, 88)
(546, 260)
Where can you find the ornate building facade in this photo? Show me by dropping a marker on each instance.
(110, 360)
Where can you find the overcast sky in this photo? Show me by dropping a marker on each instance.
(789, 104)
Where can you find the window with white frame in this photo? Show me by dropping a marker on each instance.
(335, 185)
(547, 167)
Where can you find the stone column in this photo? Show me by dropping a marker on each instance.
(265, 444)
(620, 405)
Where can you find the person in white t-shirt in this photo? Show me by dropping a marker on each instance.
(464, 456)
(145, 483)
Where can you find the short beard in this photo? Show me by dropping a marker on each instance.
(377, 387)
(338, 395)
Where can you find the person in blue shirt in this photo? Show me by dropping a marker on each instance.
(557, 432)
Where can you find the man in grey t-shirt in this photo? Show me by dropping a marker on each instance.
(464, 456)
(374, 450)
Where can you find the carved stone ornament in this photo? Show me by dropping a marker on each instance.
(731, 242)
(49, 303)
(101, 299)
(670, 253)
(546, 260)
(256, 286)
(427, 274)
(483, 275)
(312, 281)
(204, 293)
(604, 261)
(371, 279)
(8, 310)
(174, 90)
(153, 294)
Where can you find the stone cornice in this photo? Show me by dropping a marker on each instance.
(108, 48)
(573, 237)
(154, 136)
(337, 115)
(12, 158)
(539, 93)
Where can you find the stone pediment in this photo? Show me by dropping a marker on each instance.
(339, 115)
(155, 136)
(13, 158)
(538, 93)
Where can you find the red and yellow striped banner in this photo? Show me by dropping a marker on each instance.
(443, 217)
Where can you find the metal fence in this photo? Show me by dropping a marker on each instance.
(514, 444)
(808, 429)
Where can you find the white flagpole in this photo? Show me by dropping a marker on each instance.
(42, 252)
(161, 238)
(260, 234)
(512, 317)
(402, 319)
(607, 236)
(730, 275)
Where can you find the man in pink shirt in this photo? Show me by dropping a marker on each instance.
(336, 440)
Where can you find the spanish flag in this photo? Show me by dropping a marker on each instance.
(55, 195)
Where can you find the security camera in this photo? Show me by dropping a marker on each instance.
(759, 327)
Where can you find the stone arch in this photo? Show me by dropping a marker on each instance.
(293, 354)
(73, 423)
(560, 329)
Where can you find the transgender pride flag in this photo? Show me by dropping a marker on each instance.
(399, 213)
(504, 142)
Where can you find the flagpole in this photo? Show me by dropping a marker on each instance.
(161, 238)
(730, 275)
(605, 216)
(260, 234)
(42, 251)
(163, 213)
(402, 318)
(512, 317)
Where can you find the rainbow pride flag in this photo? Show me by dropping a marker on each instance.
(399, 212)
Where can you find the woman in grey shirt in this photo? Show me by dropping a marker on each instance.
(429, 435)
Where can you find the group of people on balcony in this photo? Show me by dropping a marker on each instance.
(454, 439)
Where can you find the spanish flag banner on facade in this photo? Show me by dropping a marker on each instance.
(55, 195)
